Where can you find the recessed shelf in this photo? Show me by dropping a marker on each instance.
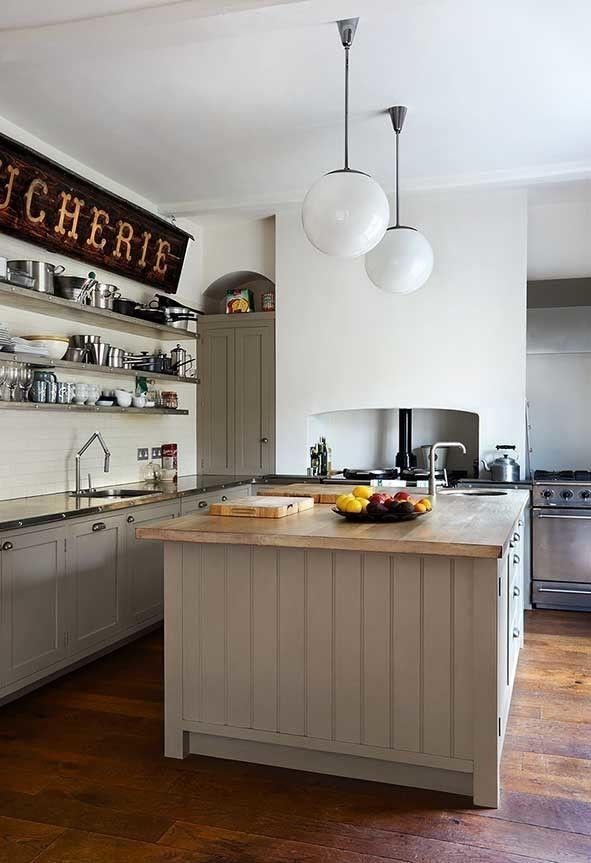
(91, 369)
(58, 307)
(43, 406)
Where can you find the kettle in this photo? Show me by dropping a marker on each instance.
(505, 468)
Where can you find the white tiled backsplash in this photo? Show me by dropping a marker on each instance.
(39, 447)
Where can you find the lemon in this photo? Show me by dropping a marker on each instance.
(364, 503)
(353, 506)
(363, 491)
(426, 503)
(342, 500)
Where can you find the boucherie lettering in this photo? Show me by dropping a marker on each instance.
(45, 204)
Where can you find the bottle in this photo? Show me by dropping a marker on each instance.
(323, 456)
(314, 461)
(329, 462)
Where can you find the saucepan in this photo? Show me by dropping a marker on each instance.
(42, 274)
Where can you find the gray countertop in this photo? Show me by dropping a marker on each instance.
(44, 508)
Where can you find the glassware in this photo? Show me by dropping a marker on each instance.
(2, 378)
(25, 380)
(12, 378)
(81, 393)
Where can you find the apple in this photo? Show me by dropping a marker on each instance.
(378, 497)
(401, 495)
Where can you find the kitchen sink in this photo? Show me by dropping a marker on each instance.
(116, 492)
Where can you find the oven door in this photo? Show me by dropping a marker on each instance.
(562, 545)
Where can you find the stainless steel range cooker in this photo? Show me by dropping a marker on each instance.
(561, 540)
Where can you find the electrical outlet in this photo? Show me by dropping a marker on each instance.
(156, 452)
(142, 454)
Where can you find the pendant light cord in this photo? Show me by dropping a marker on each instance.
(396, 191)
(347, 47)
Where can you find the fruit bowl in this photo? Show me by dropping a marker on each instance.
(382, 517)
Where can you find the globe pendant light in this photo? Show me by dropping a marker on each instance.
(403, 261)
(345, 213)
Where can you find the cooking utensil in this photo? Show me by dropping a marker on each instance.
(116, 358)
(124, 306)
(150, 314)
(21, 279)
(99, 353)
(42, 274)
(505, 468)
(74, 288)
(82, 340)
(76, 355)
(102, 295)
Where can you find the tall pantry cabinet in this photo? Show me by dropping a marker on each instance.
(236, 413)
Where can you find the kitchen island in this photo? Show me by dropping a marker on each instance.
(378, 651)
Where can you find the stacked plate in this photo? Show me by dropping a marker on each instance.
(16, 345)
(5, 339)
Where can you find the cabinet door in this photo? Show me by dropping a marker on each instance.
(33, 592)
(255, 400)
(216, 400)
(96, 564)
(200, 502)
(145, 565)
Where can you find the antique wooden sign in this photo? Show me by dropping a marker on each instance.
(46, 204)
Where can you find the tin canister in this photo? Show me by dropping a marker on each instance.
(268, 302)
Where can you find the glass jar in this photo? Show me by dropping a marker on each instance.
(169, 400)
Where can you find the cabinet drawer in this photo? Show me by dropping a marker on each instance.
(200, 502)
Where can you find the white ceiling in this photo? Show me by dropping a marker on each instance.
(215, 103)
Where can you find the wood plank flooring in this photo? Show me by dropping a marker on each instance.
(83, 780)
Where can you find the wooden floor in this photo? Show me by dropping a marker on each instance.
(82, 779)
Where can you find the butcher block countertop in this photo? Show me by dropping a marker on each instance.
(461, 525)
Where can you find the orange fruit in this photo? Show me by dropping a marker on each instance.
(420, 507)
(426, 503)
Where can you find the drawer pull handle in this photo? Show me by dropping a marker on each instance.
(7, 546)
(516, 590)
(516, 632)
(224, 498)
(130, 519)
(202, 504)
(99, 525)
(520, 523)
(516, 559)
(264, 440)
(516, 537)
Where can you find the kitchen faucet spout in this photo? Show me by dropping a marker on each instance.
(107, 463)
(432, 457)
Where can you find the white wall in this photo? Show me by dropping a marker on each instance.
(559, 393)
(39, 448)
(245, 245)
(559, 240)
(457, 343)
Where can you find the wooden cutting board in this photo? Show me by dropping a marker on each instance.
(266, 507)
(319, 492)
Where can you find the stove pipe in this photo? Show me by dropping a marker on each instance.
(405, 458)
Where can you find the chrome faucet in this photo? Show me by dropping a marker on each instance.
(432, 455)
(80, 453)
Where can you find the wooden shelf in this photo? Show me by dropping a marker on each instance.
(90, 368)
(34, 406)
(57, 307)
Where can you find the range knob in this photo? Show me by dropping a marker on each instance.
(566, 494)
(547, 493)
(586, 494)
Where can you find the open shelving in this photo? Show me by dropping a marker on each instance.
(58, 307)
(91, 368)
(46, 406)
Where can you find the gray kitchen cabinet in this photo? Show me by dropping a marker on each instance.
(97, 580)
(200, 502)
(236, 433)
(145, 564)
(33, 608)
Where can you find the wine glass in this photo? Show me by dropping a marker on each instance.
(25, 380)
(12, 378)
(2, 378)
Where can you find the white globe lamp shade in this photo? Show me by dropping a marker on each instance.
(402, 262)
(345, 214)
